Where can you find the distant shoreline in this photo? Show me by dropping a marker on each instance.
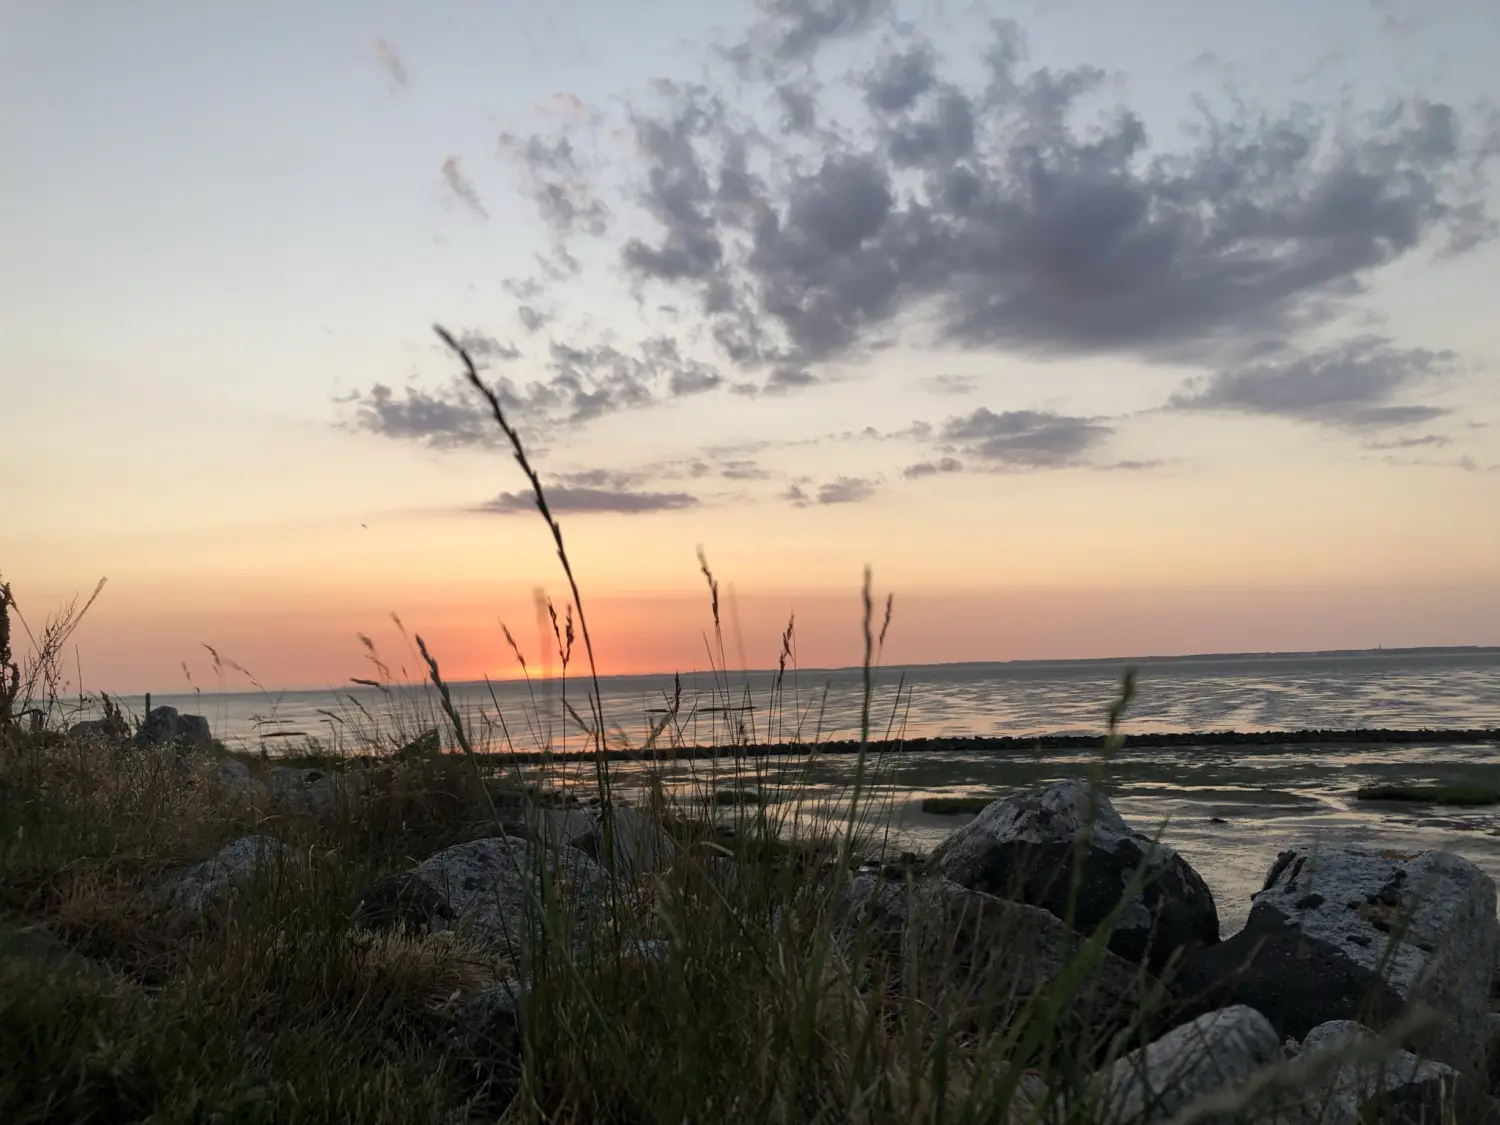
(1001, 743)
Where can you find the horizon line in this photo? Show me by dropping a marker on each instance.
(1028, 662)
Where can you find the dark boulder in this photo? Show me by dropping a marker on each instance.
(403, 902)
(1361, 934)
(165, 726)
(1022, 848)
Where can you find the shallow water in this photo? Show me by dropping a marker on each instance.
(1228, 814)
(1228, 810)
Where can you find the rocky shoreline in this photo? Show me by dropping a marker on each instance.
(1346, 949)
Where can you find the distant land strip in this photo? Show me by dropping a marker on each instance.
(1365, 736)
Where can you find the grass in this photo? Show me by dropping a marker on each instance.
(1465, 796)
(769, 999)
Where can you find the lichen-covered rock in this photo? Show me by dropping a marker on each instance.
(1214, 1053)
(210, 883)
(1022, 847)
(1347, 932)
(486, 884)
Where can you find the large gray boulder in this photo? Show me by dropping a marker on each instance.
(485, 885)
(638, 849)
(1358, 933)
(1391, 1086)
(1212, 1055)
(165, 726)
(210, 884)
(1022, 847)
(312, 790)
(234, 779)
(983, 960)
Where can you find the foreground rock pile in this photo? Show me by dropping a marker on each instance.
(1362, 981)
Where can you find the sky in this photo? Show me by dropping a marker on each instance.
(1093, 327)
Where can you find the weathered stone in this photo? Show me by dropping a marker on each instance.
(640, 848)
(493, 1016)
(1348, 933)
(210, 883)
(1396, 1088)
(1492, 1042)
(234, 778)
(165, 726)
(402, 901)
(485, 884)
(559, 828)
(1212, 1054)
(985, 959)
(1022, 847)
(311, 790)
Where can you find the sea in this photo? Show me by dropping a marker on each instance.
(1228, 809)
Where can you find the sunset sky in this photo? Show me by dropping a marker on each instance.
(1094, 327)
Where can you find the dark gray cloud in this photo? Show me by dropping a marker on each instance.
(560, 182)
(794, 31)
(584, 383)
(483, 346)
(901, 78)
(842, 490)
(460, 185)
(569, 500)
(846, 490)
(1352, 385)
(1029, 439)
(447, 419)
(532, 319)
(1002, 213)
(933, 468)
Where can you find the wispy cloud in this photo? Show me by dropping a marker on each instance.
(583, 384)
(842, 490)
(950, 384)
(933, 468)
(1352, 385)
(1026, 438)
(459, 185)
(579, 500)
(390, 61)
